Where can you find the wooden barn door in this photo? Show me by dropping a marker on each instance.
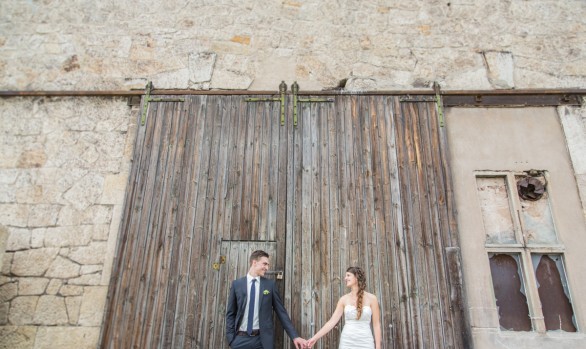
(371, 188)
(208, 186)
(361, 180)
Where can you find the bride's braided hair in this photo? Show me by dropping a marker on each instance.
(361, 278)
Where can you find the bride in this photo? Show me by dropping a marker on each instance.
(358, 307)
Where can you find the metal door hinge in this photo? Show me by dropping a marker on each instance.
(148, 99)
(281, 99)
(296, 99)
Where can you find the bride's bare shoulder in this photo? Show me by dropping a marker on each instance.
(371, 297)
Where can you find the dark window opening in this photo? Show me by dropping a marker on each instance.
(509, 292)
(555, 302)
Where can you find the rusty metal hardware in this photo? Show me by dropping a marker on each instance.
(439, 103)
(296, 99)
(148, 99)
(415, 99)
(216, 266)
(281, 99)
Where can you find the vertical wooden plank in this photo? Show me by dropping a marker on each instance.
(264, 145)
(150, 225)
(238, 171)
(390, 308)
(181, 313)
(291, 295)
(354, 182)
(384, 275)
(401, 241)
(221, 210)
(306, 214)
(278, 221)
(248, 179)
(433, 250)
(256, 143)
(231, 185)
(197, 262)
(168, 242)
(211, 254)
(322, 289)
(332, 213)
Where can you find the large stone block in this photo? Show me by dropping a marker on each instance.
(14, 215)
(97, 214)
(18, 239)
(33, 262)
(63, 268)
(73, 305)
(71, 290)
(22, 310)
(500, 69)
(41, 215)
(28, 286)
(92, 254)
(17, 337)
(68, 236)
(86, 191)
(63, 337)
(92, 306)
(8, 291)
(50, 311)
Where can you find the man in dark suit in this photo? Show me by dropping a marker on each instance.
(249, 313)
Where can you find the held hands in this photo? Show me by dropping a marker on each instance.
(310, 342)
(300, 343)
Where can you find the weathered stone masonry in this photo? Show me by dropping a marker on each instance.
(63, 173)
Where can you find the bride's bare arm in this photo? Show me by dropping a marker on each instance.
(336, 316)
(376, 322)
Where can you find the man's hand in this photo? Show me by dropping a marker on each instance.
(299, 343)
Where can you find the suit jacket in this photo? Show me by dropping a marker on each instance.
(269, 300)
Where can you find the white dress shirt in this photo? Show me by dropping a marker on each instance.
(255, 323)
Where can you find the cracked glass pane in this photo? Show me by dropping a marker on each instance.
(496, 211)
(509, 291)
(553, 293)
(537, 219)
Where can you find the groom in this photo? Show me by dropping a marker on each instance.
(249, 314)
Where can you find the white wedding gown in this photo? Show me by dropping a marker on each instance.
(356, 333)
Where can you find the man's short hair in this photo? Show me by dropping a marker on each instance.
(258, 254)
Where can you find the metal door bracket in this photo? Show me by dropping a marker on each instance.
(148, 99)
(296, 99)
(415, 99)
(281, 99)
(439, 103)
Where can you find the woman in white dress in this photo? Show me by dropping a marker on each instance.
(359, 308)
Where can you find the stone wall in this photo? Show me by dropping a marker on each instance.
(63, 173)
(247, 44)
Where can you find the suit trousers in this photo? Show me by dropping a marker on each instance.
(246, 342)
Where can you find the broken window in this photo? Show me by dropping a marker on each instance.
(519, 228)
(509, 291)
(537, 220)
(496, 210)
(553, 293)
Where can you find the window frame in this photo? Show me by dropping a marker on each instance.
(526, 250)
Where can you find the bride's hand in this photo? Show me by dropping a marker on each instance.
(310, 342)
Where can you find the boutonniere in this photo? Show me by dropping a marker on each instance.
(265, 292)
